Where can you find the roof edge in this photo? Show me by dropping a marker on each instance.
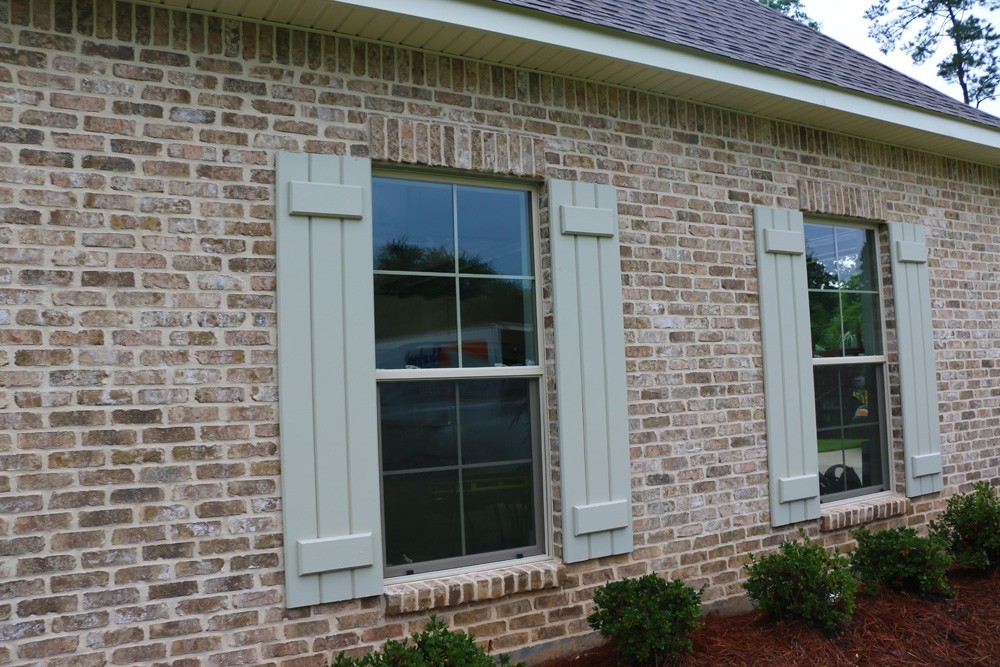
(537, 27)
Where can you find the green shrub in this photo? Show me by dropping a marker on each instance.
(901, 560)
(434, 647)
(970, 527)
(803, 581)
(648, 619)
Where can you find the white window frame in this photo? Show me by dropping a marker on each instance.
(535, 372)
(885, 434)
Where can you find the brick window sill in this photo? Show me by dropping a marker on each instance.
(857, 511)
(456, 589)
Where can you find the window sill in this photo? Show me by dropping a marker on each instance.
(857, 511)
(456, 589)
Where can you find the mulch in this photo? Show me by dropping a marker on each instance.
(889, 629)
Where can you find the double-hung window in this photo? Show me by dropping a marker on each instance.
(458, 372)
(849, 363)
(825, 362)
(409, 365)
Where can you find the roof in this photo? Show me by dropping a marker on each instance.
(735, 29)
(676, 48)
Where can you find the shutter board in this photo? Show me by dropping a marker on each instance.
(590, 370)
(326, 371)
(917, 367)
(789, 396)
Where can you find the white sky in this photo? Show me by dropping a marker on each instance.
(844, 21)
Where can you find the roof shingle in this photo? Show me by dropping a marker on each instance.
(749, 32)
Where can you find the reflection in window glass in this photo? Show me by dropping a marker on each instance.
(441, 436)
(493, 231)
(844, 304)
(849, 426)
(413, 225)
(435, 311)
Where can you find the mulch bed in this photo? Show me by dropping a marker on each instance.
(891, 629)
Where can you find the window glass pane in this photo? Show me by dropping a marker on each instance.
(422, 517)
(862, 324)
(439, 436)
(855, 258)
(413, 225)
(419, 425)
(494, 234)
(824, 320)
(849, 427)
(496, 420)
(821, 257)
(499, 508)
(498, 322)
(415, 322)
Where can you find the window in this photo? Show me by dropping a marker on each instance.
(408, 365)
(849, 364)
(824, 362)
(456, 352)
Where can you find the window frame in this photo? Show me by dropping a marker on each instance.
(881, 360)
(535, 374)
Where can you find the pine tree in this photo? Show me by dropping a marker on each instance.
(919, 27)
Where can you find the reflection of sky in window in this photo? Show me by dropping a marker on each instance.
(838, 249)
(493, 227)
(415, 211)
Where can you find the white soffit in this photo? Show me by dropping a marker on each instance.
(495, 32)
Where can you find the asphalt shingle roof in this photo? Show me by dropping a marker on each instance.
(747, 31)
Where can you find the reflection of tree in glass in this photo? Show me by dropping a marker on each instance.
(848, 325)
(484, 300)
(401, 255)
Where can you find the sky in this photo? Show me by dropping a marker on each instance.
(844, 21)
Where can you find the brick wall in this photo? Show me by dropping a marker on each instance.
(139, 480)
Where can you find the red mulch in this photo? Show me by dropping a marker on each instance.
(891, 629)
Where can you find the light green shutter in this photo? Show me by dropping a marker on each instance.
(326, 379)
(789, 398)
(590, 371)
(917, 371)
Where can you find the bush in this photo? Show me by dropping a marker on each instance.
(803, 581)
(434, 647)
(901, 560)
(970, 527)
(648, 619)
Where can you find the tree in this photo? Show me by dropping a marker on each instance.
(919, 27)
(792, 9)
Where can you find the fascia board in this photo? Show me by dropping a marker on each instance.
(504, 20)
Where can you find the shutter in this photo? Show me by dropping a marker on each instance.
(917, 371)
(590, 371)
(789, 397)
(326, 378)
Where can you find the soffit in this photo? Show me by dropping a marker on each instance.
(522, 39)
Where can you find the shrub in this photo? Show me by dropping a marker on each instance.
(901, 560)
(803, 581)
(434, 647)
(648, 619)
(970, 527)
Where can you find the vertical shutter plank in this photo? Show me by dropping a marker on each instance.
(590, 367)
(298, 481)
(789, 395)
(917, 368)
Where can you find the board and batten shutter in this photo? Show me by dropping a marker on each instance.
(917, 371)
(789, 397)
(595, 470)
(326, 379)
